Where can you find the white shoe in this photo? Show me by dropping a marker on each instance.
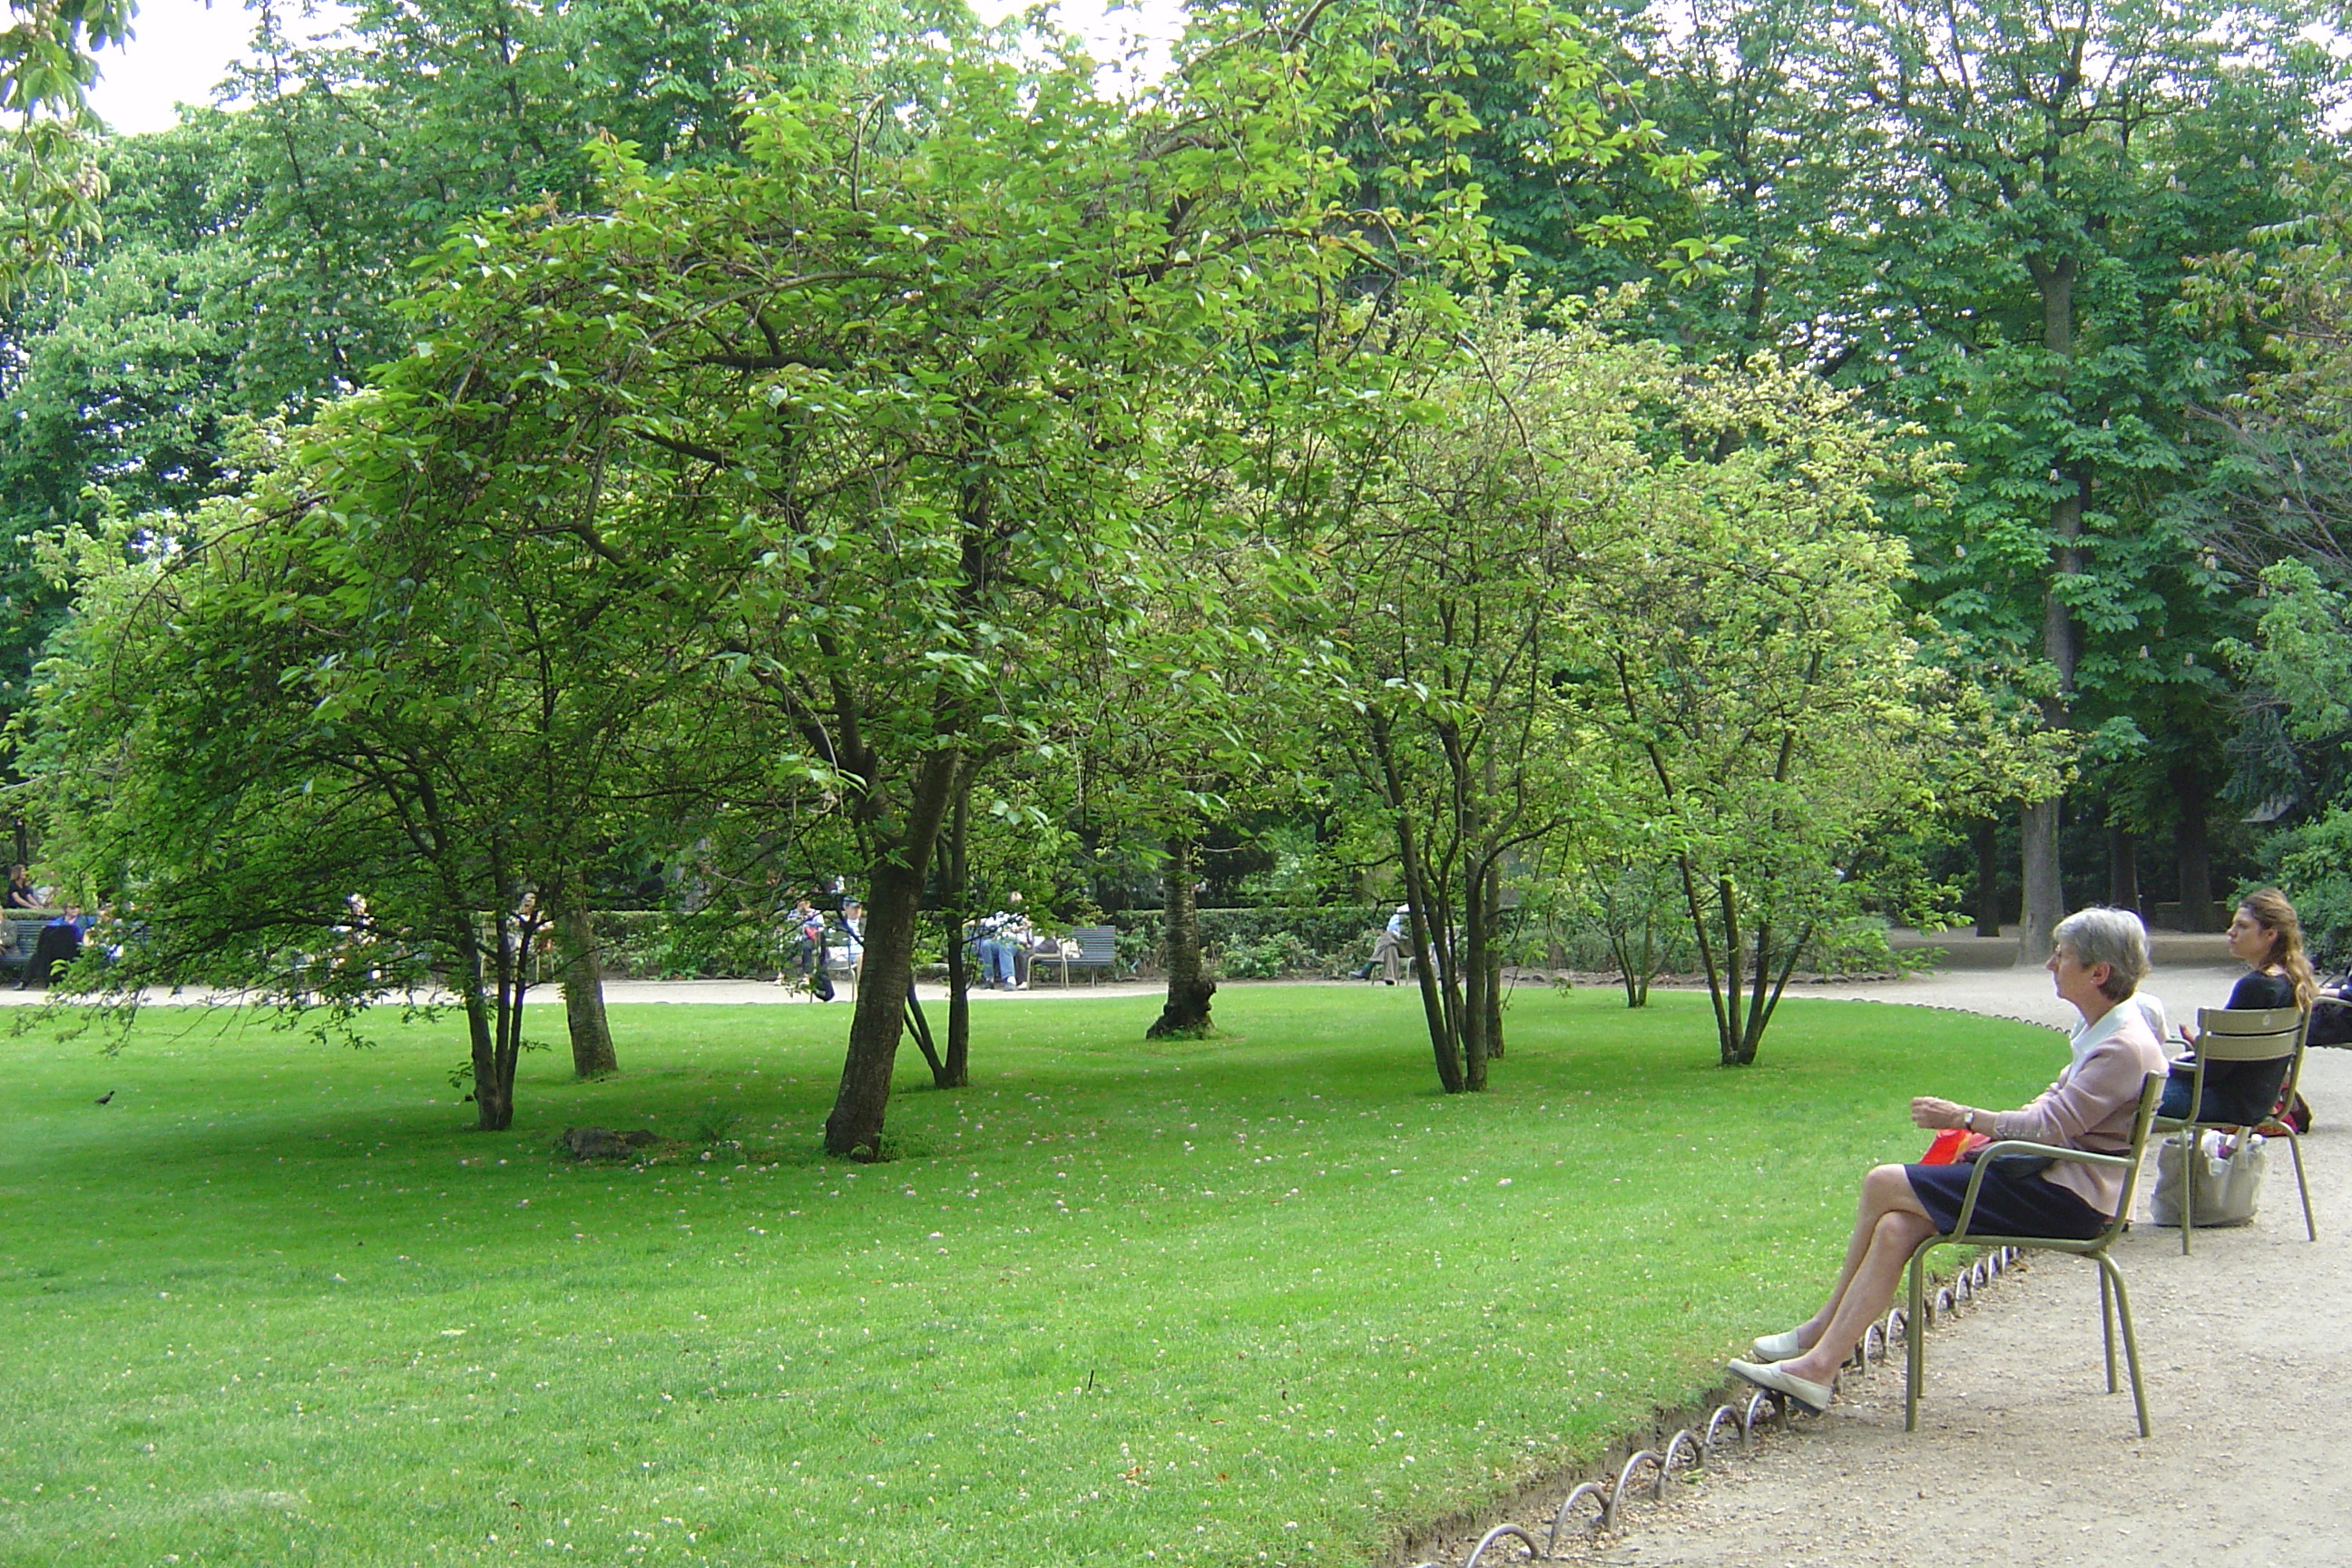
(1814, 1396)
(1770, 1348)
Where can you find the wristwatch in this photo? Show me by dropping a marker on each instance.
(1970, 1120)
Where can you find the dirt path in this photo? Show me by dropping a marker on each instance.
(2021, 1458)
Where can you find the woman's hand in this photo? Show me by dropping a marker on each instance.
(1929, 1111)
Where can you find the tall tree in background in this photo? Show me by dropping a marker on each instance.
(2026, 315)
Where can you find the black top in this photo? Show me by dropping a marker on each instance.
(2242, 1093)
(2257, 993)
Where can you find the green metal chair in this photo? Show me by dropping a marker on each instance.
(2113, 1303)
(2250, 1034)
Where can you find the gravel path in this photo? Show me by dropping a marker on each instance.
(2020, 1456)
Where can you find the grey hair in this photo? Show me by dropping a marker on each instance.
(2113, 937)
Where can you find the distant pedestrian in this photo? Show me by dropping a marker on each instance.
(1389, 950)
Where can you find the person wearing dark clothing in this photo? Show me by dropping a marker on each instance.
(2267, 937)
(19, 894)
(59, 942)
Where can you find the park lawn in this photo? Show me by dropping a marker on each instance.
(1264, 1299)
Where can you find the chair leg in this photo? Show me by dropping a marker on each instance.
(2108, 1270)
(2188, 1189)
(1914, 1341)
(2107, 1324)
(2294, 1147)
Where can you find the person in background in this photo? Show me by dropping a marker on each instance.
(803, 945)
(59, 943)
(853, 941)
(2267, 936)
(20, 894)
(1389, 950)
(2099, 959)
(1000, 938)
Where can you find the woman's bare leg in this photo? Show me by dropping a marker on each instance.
(1867, 1293)
(1885, 1190)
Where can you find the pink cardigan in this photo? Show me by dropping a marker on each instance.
(2092, 1105)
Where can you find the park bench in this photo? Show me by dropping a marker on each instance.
(19, 934)
(1098, 951)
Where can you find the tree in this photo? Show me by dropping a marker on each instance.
(1744, 652)
(2282, 484)
(386, 671)
(254, 264)
(916, 362)
(1440, 563)
(2025, 315)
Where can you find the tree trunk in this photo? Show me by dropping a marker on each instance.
(1475, 979)
(493, 1099)
(895, 892)
(1185, 1015)
(1984, 837)
(2193, 852)
(1738, 1046)
(1635, 949)
(919, 1026)
(1494, 962)
(2122, 868)
(1724, 1029)
(493, 1093)
(955, 1072)
(581, 978)
(1444, 1040)
(2045, 894)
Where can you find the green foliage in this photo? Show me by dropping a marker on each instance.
(1746, 654)
(2312, 864)
(1275, 940)
(660, 946)
(254, 263)
(50, 183)
(1264, 958)
(1245, 1260)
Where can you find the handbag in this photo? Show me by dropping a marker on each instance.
(2225, 1174)
(2331, 1017)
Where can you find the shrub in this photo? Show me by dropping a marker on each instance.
(1263, 957)
(2312, 864)
(1263, 943)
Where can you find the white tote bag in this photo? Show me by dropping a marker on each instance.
(2227, 1173)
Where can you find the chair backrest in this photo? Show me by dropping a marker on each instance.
(2151, 1091)
(1096, 944)
(2250, 1035)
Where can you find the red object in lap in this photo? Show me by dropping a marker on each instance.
(1952, 1145)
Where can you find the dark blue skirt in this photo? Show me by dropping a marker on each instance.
(2009, 1204)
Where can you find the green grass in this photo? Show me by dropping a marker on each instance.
(1266, 1297)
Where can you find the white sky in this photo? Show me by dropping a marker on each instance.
(181, 49)
(178, 50)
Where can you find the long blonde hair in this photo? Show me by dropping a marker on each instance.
(2270, 911)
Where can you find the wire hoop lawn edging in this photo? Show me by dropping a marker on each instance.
(1599, 1504)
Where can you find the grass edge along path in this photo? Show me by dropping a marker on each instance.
(1263, 1299)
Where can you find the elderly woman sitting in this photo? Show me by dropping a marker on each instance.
(2100, 957)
